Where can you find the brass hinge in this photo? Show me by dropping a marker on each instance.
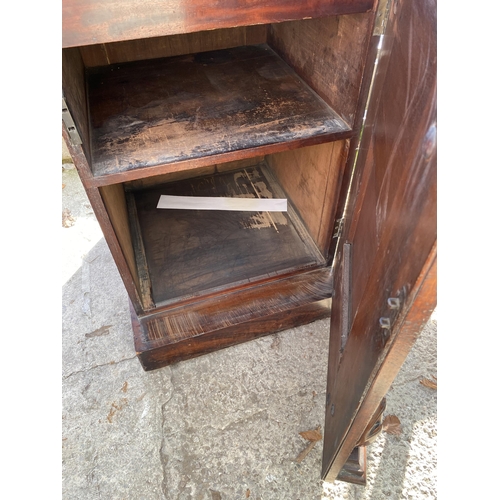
(70, 124)
(383, 10)
(339, 225)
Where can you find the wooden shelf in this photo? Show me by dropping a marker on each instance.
(154, 116)
(184, 253)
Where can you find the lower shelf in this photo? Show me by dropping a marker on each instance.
(230, 318)
(189, 253)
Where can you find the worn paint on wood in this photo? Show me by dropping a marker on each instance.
(177, 109)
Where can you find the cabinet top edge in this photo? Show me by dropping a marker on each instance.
(90, 22)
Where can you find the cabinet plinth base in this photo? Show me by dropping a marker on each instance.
(354, 470)
(207, 325)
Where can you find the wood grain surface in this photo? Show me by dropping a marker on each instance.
(189, 252)
(167, 111)
(88, 22)
(172, 45)
(329, 54)
(390, 226)
(226, 319)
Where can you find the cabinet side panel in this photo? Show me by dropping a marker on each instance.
(114, 200)
(73, 86)
(174, 45)
(310, 177)
(328, 54)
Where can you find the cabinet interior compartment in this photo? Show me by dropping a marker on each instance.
(178, 254)
(274, 101)
(187, 252)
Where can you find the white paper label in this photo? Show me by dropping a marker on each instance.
(236, 204)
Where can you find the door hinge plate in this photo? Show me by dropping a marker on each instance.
(70, 124)
(339, 225)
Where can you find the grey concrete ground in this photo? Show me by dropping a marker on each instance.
(224, 426)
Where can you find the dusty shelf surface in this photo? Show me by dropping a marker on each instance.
(171, 110)
(191, 251)
(225, 425)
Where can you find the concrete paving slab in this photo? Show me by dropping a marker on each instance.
(220, 427)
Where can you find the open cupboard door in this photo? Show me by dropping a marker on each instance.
(385, 264)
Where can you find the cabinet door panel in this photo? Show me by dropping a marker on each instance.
(390, 228)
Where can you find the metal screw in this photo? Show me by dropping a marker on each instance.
(385, 323)
(393, 303)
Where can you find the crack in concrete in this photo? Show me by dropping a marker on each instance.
(164, 457)
(97, 366)
(241, 420)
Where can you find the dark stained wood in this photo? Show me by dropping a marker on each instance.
(223, 158)
(116, 207)
(231, 318)
(391, 225)
(238, 164)
(142, 268)
(352, 175)
(349, 188)
(173, 45)
(167, 111)
(88, 22)
(374, 427)
(190, 252)
(73, 89)
(354, 470)
(404, 337)
(329, 55)
(97, 55)
(179, 175)
(310, 176)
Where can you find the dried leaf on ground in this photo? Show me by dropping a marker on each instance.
(392, 425)
(247, 494)
(64, 185)
(104, 330)
(303, 454)
(313, 435)
(431, 384)
(67, 219)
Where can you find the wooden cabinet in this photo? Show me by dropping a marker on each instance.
(327, 105)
